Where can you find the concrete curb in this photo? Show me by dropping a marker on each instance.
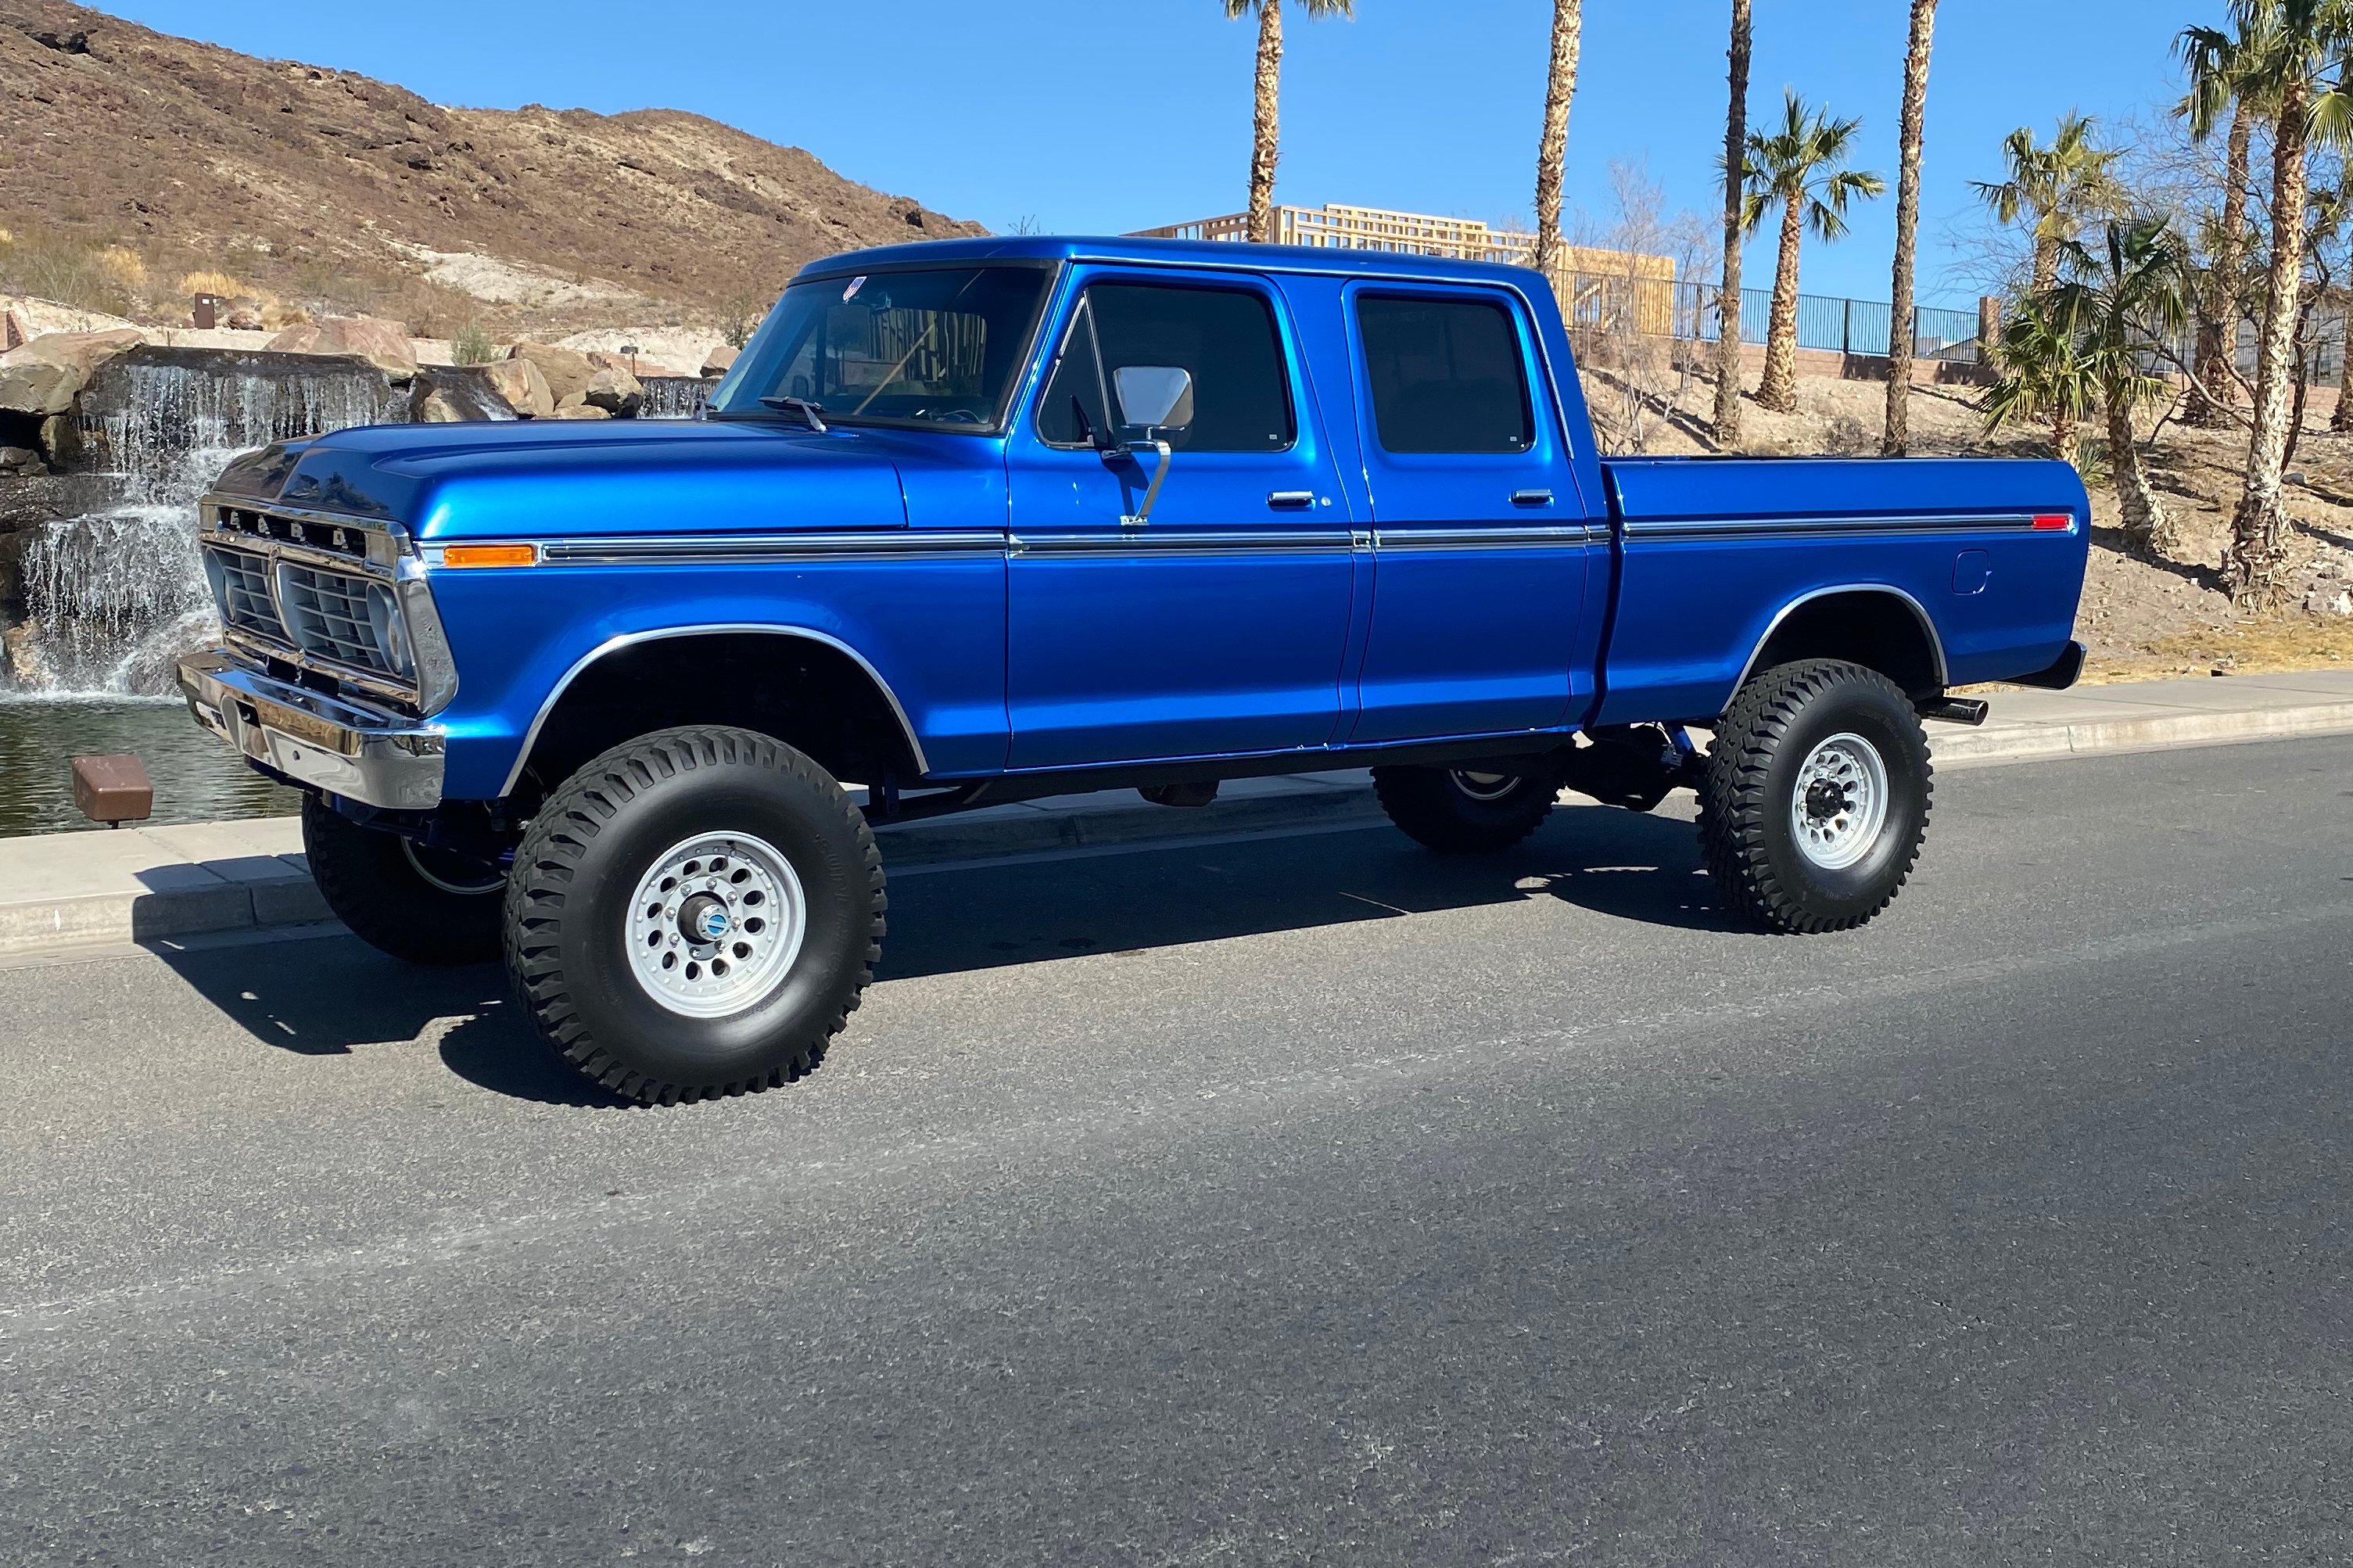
(2038, 742)
(98, 889)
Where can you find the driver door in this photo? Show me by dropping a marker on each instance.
(1218, 627)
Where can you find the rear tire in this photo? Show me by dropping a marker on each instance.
(1459, 812)
(1815, 799)
(425, 906)
(696, 913)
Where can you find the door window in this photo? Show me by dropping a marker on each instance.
(1447, 375)
(1225, 337)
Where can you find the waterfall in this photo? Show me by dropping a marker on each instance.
(673, 396)
(114, 595)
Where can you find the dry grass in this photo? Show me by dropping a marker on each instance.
(227, 285)
(2248, 648)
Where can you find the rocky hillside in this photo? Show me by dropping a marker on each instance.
(129, 160)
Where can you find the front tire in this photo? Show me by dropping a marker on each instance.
(422, 906)
(1455, 811)
(696, 913)
(1815, 799)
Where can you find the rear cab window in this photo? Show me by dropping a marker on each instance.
(1446, 376)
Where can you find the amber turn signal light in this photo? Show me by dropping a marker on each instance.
(489, 554)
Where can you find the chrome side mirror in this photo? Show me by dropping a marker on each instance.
(1155, 398)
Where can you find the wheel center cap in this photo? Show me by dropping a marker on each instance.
(703, 918)
(1824, 799)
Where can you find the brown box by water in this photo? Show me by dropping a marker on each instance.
(113, 788)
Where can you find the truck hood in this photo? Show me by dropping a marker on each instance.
(541, 479)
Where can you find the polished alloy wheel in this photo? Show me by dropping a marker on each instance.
(1839, 803)
(716, 925)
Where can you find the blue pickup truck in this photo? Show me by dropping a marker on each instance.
(976, 521)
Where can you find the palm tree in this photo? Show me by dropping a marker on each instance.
(2301, 75)
(1266, 134)
(2056, 188)
(2231, 65)
(2123, 304)
(1898, 434)
(1801, 165)
(1736, 230)
(2044, 375)
(1552, 147)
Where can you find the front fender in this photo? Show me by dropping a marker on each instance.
(931, 629)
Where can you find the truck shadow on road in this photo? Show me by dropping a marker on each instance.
(1610, 862)
(331, 995)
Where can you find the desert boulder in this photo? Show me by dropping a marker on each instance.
(617, 392)
(565, 370)
(382, 344)
(44, 375)
(519, 381)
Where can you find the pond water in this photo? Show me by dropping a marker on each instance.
(196, 779)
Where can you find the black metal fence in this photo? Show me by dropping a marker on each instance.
(1688, 311)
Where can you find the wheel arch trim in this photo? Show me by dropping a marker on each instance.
(1919, 613)
(712, 629)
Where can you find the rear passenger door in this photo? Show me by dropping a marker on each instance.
(1481, 547)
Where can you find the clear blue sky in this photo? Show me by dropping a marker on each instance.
(1099, 116)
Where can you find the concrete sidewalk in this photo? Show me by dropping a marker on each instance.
(147, 884)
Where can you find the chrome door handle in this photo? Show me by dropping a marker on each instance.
(1292, 500)
(1531, 498)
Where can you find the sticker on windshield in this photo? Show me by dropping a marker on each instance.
(851, 292)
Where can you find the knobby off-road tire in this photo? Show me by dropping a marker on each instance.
(696, 913)
(1815, 798)
(426, 907)
(1456, 812)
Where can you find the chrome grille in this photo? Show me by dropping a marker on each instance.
(331, 616)
(241, 588)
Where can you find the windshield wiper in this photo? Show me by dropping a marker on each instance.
(801, 405)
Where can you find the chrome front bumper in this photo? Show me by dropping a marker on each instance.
(360, 753)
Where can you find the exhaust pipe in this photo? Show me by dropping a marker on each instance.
(1969, 711)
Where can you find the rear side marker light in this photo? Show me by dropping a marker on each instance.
(528, 554)
(2054, 523)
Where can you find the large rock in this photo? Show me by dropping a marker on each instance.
(39, 389)
(567, 371)
(581, 411)
(26, 661)
(720, 360)
(519, 381)
(61, 439)
(382, 344)
(43, 377)
(617, 392)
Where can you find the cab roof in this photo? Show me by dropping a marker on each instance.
(1331, 260)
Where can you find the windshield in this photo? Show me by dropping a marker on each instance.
(913, 347)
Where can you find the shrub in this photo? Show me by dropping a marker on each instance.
(123, 265)
(49, 267)
(472, 345)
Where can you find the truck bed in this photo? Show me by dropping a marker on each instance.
(1976, 548)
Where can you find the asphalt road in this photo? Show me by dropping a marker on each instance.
(1297, 1200)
